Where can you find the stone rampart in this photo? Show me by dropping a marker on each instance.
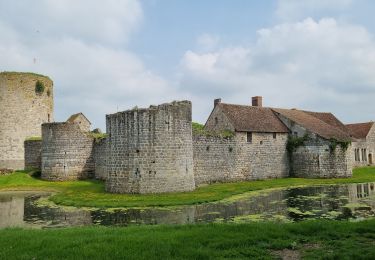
(26, 101)
(67, 152)
(150, 150)
(100, 158)
(33, 154)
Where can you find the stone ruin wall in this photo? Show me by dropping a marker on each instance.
(67, 152)
(316, 160)
(100, 159)
(150, 150)
(218, 159)
(22, 111)
(33, 154)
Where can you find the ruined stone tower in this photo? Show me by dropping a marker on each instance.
(26, 101)
(150, 150)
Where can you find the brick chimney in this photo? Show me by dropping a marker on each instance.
(217, 101)
(257, 101)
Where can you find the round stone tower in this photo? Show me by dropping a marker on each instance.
(26, 101)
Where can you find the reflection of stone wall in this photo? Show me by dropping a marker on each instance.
(11, 211)
(22, 111)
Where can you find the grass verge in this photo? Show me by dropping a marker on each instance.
(309, 240)
(92, 194)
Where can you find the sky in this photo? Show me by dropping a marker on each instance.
(114, 55)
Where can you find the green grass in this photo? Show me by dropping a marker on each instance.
(91, 193)
(34, 138)
(198, 129)
(312, 240)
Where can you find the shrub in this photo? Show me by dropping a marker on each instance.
(39, 87)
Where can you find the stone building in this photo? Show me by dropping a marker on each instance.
(26, 102)
(81, 120)
(259, 146)
(255, 151)
(67, 151)
(150, 150)
(363, 148)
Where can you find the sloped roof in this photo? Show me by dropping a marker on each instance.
(314, 123)
(73, 117)
(253, 119)
(329, 118)
(360, 130)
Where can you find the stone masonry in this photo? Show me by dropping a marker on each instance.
(67, 152)
(33, 154)
(23, 108)
(150, 150)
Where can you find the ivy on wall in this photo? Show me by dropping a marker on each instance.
(39, 87)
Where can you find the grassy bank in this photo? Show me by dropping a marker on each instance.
(310, 240)
(92, 194)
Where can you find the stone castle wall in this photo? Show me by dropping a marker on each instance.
(22, 111)
(219, 159)
(214, 159)
(100, 159)
(316, 160)
(67, 152)
(33, 154)
(150, 150)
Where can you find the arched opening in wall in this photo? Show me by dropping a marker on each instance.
(370, 158)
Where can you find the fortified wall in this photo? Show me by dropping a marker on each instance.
(150, 150)
(26, 101)
(218, 159)
(67, 152)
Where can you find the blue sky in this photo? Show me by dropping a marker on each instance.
(308, 54)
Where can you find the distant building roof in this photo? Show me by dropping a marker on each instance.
(360, 130)
(322, 124)
(73, 117)
(329, 118)
(253, 119)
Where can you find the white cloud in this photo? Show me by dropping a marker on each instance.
(208, 41)
(320, 65)
(290, 10)
(80, 45)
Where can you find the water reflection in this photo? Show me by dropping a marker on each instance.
(353, 201)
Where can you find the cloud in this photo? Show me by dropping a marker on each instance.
(82, 47)
(294, 10)
(320, 65)
(207, 41)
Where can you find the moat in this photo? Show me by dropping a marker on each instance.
(340, 202)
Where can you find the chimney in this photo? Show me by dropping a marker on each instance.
(257, 101)
(217, 101)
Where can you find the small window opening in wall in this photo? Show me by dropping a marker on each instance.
(207, 148)
(295, 133)
(274, 135)
(216, 120)
(230, 149)
(137, 151)
(249, 137)
(261, 142)
(49, 118)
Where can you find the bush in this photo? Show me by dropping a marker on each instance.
(39, 87)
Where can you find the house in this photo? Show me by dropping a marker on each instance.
(363, 147)
(81, 120)
(272, 140)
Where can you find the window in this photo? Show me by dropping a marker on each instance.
(274, 135)
(295, 133)
(49, 118)
(216, 121)
(249, 137)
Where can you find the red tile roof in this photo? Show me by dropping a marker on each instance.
(314, 123)
(360, 130)
(253, 119)
(329, 118)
